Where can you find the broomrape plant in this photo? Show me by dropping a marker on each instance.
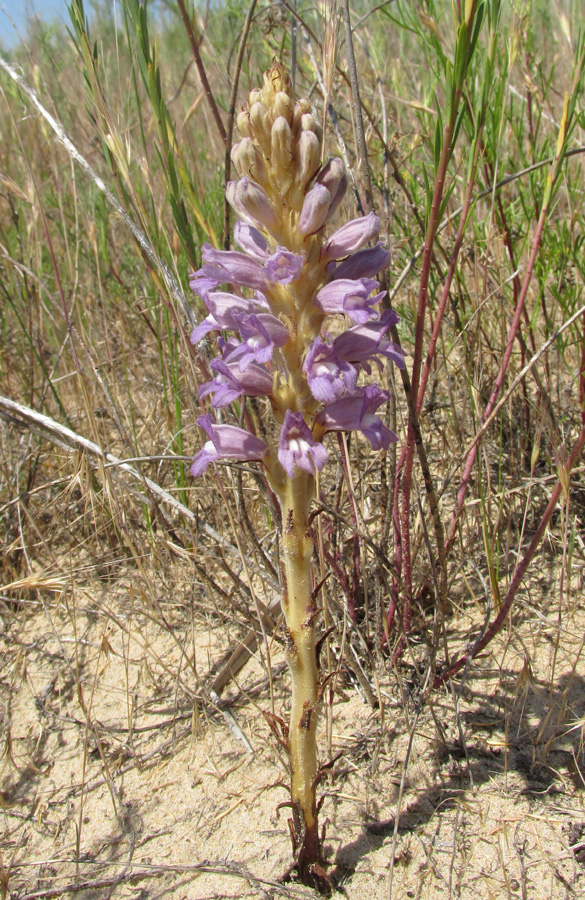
(288, 280)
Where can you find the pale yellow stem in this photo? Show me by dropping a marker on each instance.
(299, 610)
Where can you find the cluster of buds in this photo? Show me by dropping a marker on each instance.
(286, 280)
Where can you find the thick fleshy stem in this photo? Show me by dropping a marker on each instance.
(299, 610)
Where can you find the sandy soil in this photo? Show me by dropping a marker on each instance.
(119, 779)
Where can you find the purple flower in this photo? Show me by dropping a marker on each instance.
(333, 177)
(251, 202)
(315, 209)
(363, 264)
(231, 267)
(283, 266)
(329, 376)
(251, 241)
(356, 413)
(352, 236)
(226, 442)
(350, 296)
(260, 335)
(299, 447)
(228, 386)
(202, 284)
(227, 346)
(223, 308)
(366, 342)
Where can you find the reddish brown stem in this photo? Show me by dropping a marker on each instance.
(446, 288)
(498, 622)
(201, 69)
(418, 344)
(433, 223)
(462, 490)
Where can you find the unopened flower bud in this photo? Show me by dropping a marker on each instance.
(254, 97)
(251, 202)
(352, 237)
(243, 123)
(308, 153)
(315, 209)
(310, 123)
(249, 161)
(283, 106)
(281, 146)
(301, 107)
(333, 176)
(260, 124)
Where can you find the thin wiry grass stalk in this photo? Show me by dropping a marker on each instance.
(231, 116)
(357, 107)
(66, 438)
(143, 242)
(455, 91)
(511, 339)
(498, 623)
(201, 69)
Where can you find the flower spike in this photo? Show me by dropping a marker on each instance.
(280, 297)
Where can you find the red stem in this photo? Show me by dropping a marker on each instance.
(462, 489)
(446, 289)
(498, 622)
(201, 69)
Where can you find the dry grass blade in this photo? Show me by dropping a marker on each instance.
(172, 285)
(65, 437)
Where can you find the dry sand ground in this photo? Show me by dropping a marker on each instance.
(112, 776)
